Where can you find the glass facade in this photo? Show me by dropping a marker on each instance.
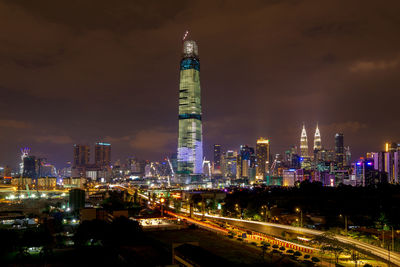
(190, 139)
(262, 152)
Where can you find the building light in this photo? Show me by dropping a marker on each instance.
(262, 141)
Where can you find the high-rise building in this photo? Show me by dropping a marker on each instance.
(392, 147)
(339, 150)
(24, 153)
(317, 140)
(102, 155)
(190, 139)
(217, 158)
(29, 167)
(81, 155)
(229, 164)
(347, 156)
(76, 199)
(246, 161)
(303, 143)
(262, 155)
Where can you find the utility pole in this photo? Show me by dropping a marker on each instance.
(383, 238)
(345, 224)
(392, 238)
(301, 218)
(162, 200)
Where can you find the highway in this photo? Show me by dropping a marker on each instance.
(264, 228)
(394, 257)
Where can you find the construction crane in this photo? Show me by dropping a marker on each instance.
(185, 35)
(172, 172)
(273, 167)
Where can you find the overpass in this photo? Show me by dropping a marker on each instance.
(392, 257)
(382, 253)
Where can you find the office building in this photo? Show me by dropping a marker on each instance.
(81, 155)
(76, 199)
(229, 164)
(29, 171)
(339, 150)
(24, 153)
(217, 159)
(102, 155)
(246, 161)
(262, 157)
(190, 139)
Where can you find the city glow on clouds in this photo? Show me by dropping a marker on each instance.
(113, 71)
(54, 139)
(15, 124)
(378, 65)
(159, 138)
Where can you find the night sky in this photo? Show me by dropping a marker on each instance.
(85, 71)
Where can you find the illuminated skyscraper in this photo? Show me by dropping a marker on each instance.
(81, 155)
(262, 153)
(317, 140)
(102, 155)
(303, 143)
(246, 160)
(29, 167)
(190, 139)
(217, 159)
(229, 164)
(24, 153)
(339, 149)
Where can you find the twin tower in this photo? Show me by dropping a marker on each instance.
(304, 142)
(190, 136)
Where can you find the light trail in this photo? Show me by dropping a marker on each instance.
(380, 252)
(377, 251)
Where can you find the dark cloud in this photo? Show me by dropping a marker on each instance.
(14, 124)
(83, 71)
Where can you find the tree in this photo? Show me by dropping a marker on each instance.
(90, 231)
(153, 197)
(315, 259)
(264, 249)
(297, 254)
(121, 231)
(329, 243)
(177, 204)
(10, 240)
(135, 197)
(355, 256)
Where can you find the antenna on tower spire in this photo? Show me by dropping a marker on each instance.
(185, 35)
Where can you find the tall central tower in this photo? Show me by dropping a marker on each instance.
(190, 139)
(303, 143)
(317, 140)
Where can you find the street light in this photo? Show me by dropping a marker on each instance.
(345, 222)
(301, 216)
(162, 200)
(264, 207)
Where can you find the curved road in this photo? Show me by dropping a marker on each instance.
(394, 257)
(263, 227)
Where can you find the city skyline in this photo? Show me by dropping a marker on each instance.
(115, 151)
(58, 91)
